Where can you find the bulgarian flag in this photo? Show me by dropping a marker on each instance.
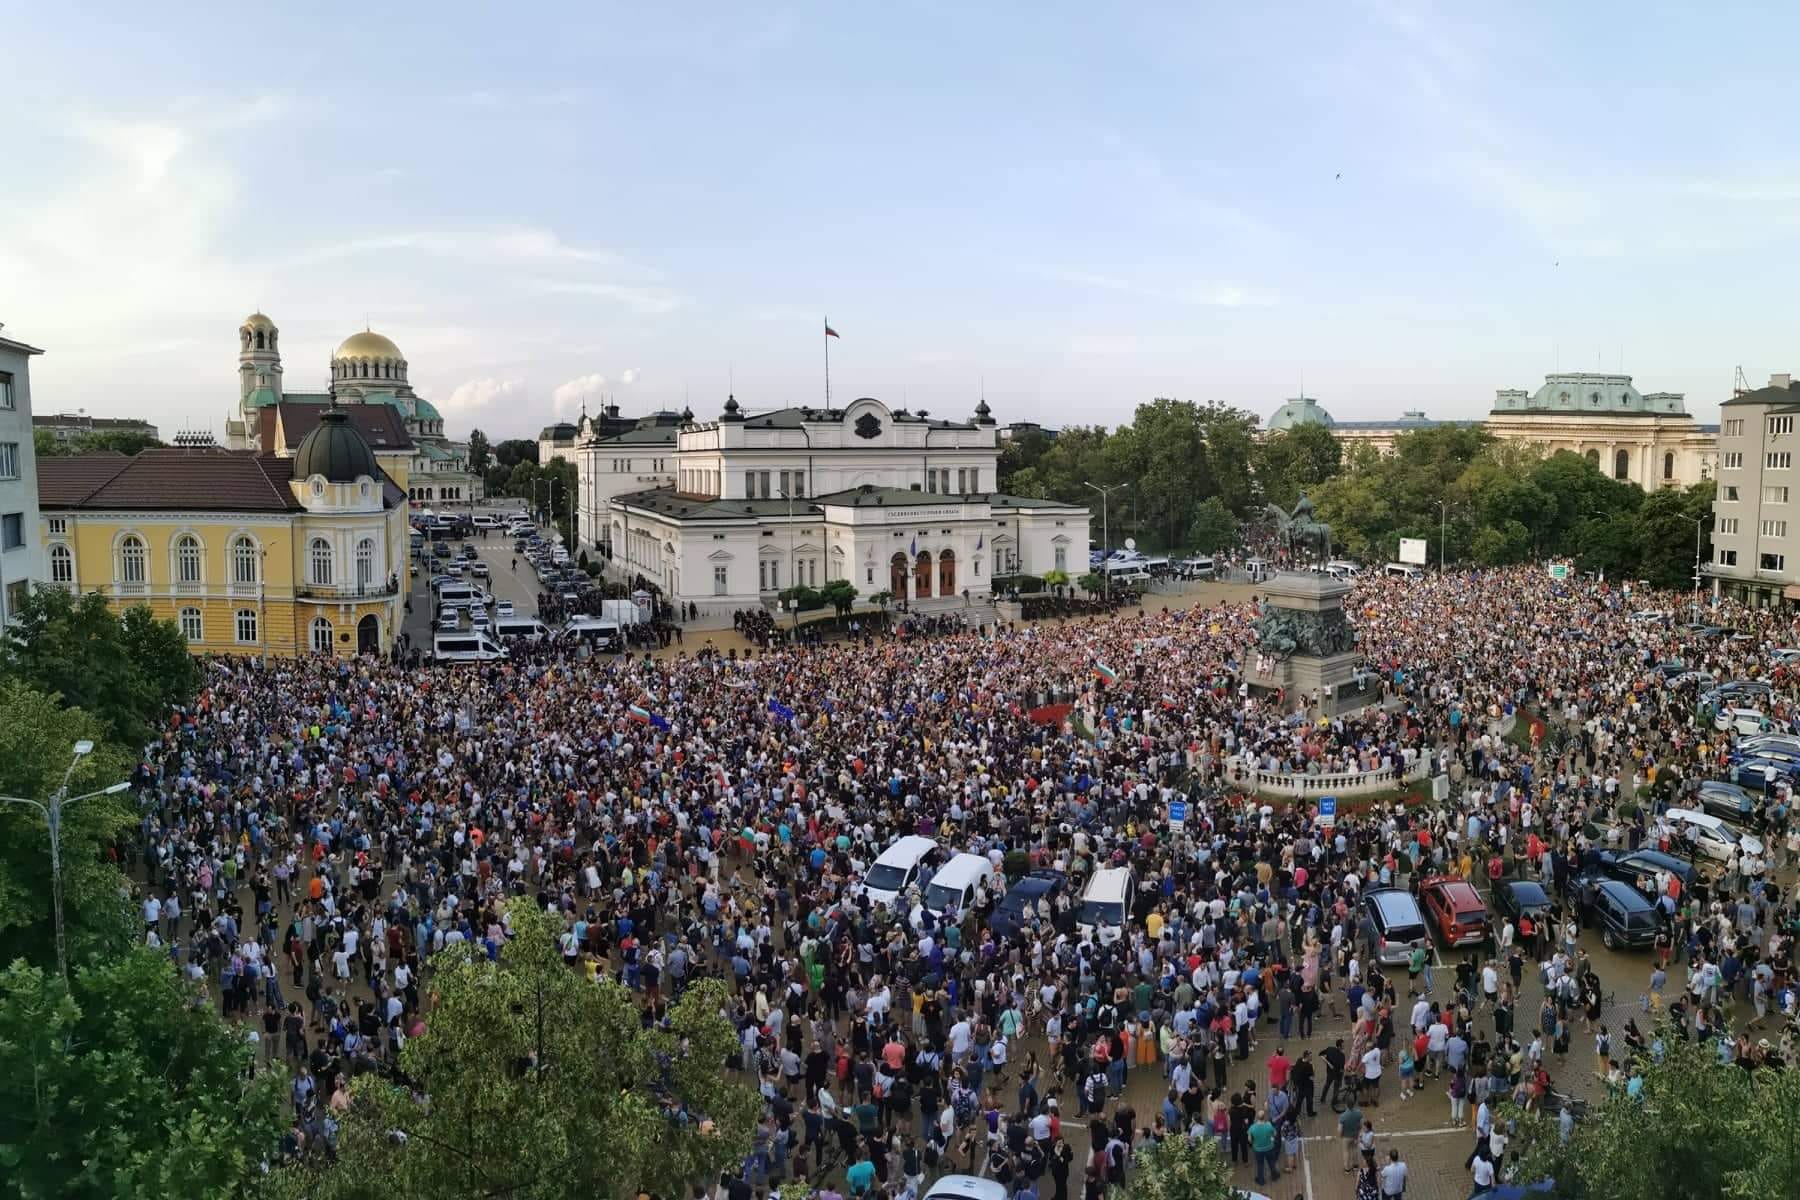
(1106, 673)
(829, 331)
(640, 713)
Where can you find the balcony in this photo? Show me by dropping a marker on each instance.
(1774, 573)
(348, 591)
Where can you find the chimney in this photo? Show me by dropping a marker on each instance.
(1783, 380)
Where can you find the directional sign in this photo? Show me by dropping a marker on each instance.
(1327, 811)
(1177, 812)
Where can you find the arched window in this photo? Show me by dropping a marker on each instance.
(191, 628)
(320, 558)
(132, 561)
(245, 561)
(62, 565)
(187, 559)
(259, 339)
(1669, 464)
(1622, 464)
(321, 635)
(365, 563)
(1593, 456)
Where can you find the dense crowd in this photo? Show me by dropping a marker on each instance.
(314, 829)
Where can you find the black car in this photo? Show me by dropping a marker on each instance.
(441, 550)
(1515, 898)
(1638, 868)
(1727, 801)
(1009, 914)
(1622, 915)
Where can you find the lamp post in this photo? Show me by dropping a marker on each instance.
(1443, 527)
(1105, 535)
(53, 812)
(788, 495)
(1698, 521)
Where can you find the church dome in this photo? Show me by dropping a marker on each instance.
(258, 320)
(335, 450)
(367, 345)
(1304, 411)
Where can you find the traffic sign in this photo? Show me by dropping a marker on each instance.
(1177, 812)
(1327, 811)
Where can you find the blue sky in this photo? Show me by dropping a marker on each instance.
(1396, 205)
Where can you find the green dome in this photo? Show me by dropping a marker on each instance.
(335, 450)
(425, 410)
(1304, 411)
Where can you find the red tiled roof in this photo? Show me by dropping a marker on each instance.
(380, 425)
(206, 480)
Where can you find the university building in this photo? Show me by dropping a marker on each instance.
(1756, 514)
(727, 513)
(1646, 438)
(247, 551)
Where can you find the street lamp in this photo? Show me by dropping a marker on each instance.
(788, 495)
(1105, 534)
(53, 812)
(1698, 522)
(1443, 525)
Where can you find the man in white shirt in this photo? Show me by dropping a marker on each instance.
(1393, 1176)
(1371, 1070)
(1483, 1172)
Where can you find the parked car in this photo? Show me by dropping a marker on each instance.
(479, 569)
(1726, 800)
(1747, 722)
(1620, 912)
(1010, 913)
(1516, 898)
(1639, 868)
(1455, 910)
(440, 550)
(1392, 925)
(450, 621)
(503, 608)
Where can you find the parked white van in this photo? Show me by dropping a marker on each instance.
(466, 647)
(460, 595)
(529, 628)
(897, 869)
(1713, 838)
(1105, 904)
(1404, 571)
(1343, 568)
(954, 884)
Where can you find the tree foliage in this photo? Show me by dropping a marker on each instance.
(541, 1086)
(121, 1086)
(480, 453)
(1180, 1168)
(99, 441)
(1700, 1128)
(1296, 460)
(36, 740)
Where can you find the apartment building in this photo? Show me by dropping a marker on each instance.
(1756, 516)
(21, 560)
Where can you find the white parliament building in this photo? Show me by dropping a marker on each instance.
(725, 514)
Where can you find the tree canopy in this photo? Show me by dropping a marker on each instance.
(121, 1086)
(1699, 1128)
(123, 671)
(541, 1085)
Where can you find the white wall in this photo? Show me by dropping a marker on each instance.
(19, 495)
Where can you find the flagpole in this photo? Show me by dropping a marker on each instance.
(827, 364)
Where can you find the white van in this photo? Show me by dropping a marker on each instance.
(1343, 568)
(460, 595)
(897, 869)
(1259, 569)
(1105, 904)
(529, 628)
(598, 632)
(1745, 722)
(466, 647)
(1404, 571)
(1713, 838)
(1197, 567)
(954, 884)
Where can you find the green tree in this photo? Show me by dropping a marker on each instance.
(1700, 1129)
(514, 451)
(1212, 528)
(1092, 582)
(120, 1085)
(1295, 461)
(544, 1085)
(124, 672)
(480, 453)
(1181, 1168)
(840, 594)
(1021, 453)
(36, 738)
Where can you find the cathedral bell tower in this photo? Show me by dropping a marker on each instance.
(259, 362)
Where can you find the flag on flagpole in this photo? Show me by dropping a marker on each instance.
(915, 546)
(829, 331)
(1106, 673)
(639, 713)
(980, 538)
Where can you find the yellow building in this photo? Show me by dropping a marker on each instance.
(248, 553)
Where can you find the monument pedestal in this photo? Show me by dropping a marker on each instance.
(1305, 645)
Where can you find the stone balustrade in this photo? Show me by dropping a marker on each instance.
(1241, 774)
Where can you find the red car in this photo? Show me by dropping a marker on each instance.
(1454, 908)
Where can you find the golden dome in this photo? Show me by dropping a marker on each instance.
(257, 320)
(367, 345)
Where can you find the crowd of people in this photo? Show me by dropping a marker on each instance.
(313, 830)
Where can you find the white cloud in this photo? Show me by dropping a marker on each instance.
(566, 399)
(629, 376)
(514, 244)
(475, 395)
(1214, 294)
(650, 301)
